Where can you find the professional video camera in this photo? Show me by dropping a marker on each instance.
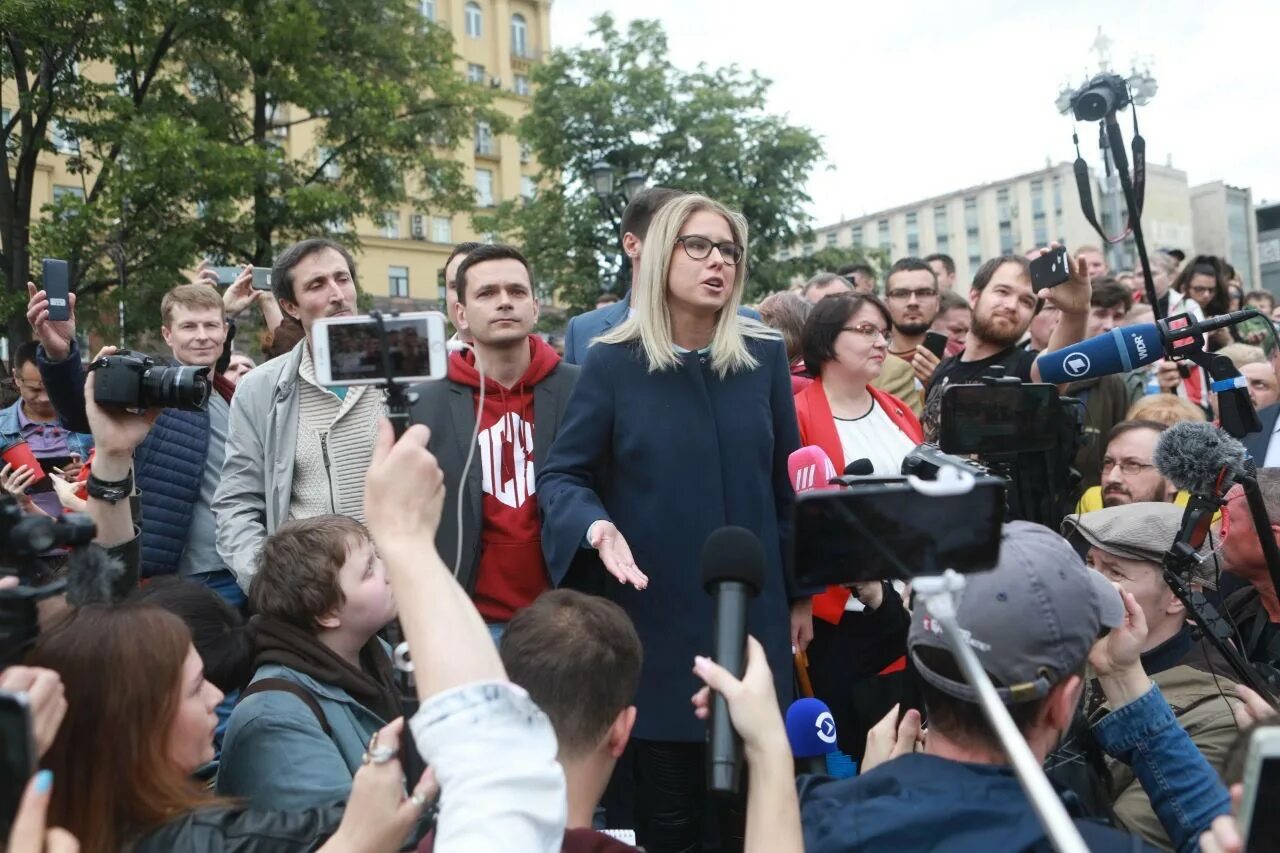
(1024, 432)
(23, 537)
(132, 380)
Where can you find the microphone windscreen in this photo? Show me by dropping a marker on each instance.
(810, 468)
(811, 730)
(93, 577)
(1191, 456)
(1117, 351)
(859, 468)
(733, 554)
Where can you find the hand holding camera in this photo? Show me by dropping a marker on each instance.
(131, 380)
(109, 392)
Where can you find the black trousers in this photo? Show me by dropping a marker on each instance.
(673, 812)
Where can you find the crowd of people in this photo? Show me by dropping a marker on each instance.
(535, 538)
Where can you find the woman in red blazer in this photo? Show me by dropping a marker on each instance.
(857, 656)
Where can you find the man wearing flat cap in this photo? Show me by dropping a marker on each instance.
(1127, 544)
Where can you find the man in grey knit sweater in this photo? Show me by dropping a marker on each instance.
(296, 448)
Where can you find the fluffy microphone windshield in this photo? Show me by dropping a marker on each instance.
(733, 554)
(94, 577)
(1192, 455)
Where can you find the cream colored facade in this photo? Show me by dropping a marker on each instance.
(499, 61)
(1226, 226)
(497, 43)
(1012, 215)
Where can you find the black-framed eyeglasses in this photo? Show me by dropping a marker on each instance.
(904, 294)
(699, 248)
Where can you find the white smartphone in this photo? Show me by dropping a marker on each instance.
(348, 350)
(1259, 816)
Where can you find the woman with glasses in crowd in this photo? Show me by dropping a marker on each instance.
(1204, 281)
(856, 662)
(140, 722)
(681, 423)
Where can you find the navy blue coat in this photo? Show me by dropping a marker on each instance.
(670, 457)
(168, 465)
(586, 327)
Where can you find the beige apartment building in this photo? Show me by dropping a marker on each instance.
(1015, 215)
(497, 44)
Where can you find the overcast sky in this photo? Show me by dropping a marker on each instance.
(914, 98)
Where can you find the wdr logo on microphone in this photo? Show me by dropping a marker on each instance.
(1077, 364)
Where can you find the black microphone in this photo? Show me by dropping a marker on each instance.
(859, 468)
(732, 573)
(1211, 324)
(95, 577)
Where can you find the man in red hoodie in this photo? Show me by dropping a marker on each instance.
(526, 388)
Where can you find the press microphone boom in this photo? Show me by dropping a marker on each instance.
(1193, 457)
(732, 574)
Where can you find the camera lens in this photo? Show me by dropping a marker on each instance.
(185, 388)
(1094, 104)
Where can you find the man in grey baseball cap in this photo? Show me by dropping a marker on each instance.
(1033, 622)
(1127, 544)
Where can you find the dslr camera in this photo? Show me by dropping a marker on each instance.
(131, 380)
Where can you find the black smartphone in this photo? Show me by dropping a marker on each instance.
(993, 419)
(1051, 269)
(55, 280)
(891, 531)
(17, 758)
(935, 342)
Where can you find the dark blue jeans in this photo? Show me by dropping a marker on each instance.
(224, 584)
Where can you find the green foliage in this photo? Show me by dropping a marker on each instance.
(182, 155)
(832, 258)
(621, 100)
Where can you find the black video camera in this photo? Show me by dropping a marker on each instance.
(23, 538)
(130, 380)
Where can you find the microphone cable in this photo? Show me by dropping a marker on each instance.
(459, 346)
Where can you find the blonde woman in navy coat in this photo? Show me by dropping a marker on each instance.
(681, 423)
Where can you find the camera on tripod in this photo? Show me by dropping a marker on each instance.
(132, 380)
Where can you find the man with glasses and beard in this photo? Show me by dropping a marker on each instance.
(1128, 474)
(911, 294)
(1004, 302)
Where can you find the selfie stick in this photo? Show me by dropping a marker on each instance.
(939, 595)
(398, 399)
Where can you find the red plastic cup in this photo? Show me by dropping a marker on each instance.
(18, 454)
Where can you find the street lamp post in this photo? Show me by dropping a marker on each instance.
(613, 201)
(1142, 88)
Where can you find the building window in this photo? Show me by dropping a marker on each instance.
(475, 73)
(391, 225)
(810, 248)
(522, 84)
(441, 229)
(336, 226)
(883, 227)
(975, 260)
(328, 164)
(1057, 195)
(519, 36)
(428, 8)
(855, 235)
(474, 19)
(913, 234)
(1002, 205)
(1041, 232)
(1006, 238)
(526, 152)
(484, 138)
(484, 187)
(398, 281)
(528, 186)
(61, 191)
(62, 141)
(831, 238)
(1037, 198)
(971, 216)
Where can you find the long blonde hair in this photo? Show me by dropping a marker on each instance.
(650, 324)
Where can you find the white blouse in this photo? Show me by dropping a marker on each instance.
(873, 436)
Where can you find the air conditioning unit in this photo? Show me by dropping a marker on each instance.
(418, 226)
